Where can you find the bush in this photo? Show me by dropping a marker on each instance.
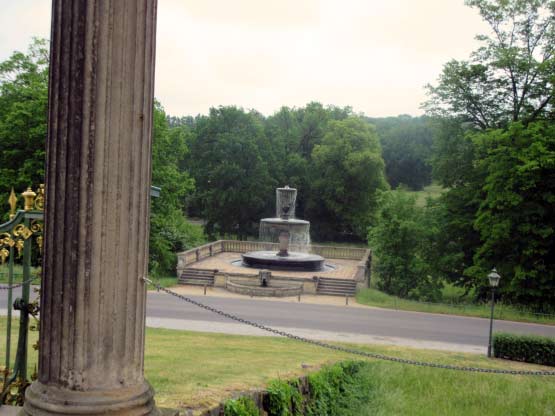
(284, 398)
(334, 390)
(243, 406)
(526, 348)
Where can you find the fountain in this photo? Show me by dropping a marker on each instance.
(299, 230)
(286, 230)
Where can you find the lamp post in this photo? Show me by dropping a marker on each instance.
(493, 282)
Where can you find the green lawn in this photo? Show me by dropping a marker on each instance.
(430, 191)
(189, 369)
(164, 281)
(18, 273)
(373, 297)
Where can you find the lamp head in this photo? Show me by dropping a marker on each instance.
(494, 278)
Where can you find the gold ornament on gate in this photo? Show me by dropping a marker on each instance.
(4, 254)
(29, 198)
(39, 200)
(12, 200)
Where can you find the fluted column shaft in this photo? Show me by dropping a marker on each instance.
(97, 210)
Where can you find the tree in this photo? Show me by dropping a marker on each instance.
(347, 171)
(516, 219)
(400, 245)
(23, 114)
(169, 230)
(228, 161)
(406, 148)
(508, 82)
(511, 76)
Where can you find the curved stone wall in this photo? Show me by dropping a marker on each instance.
(272, 290)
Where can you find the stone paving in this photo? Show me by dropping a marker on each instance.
(345, 269)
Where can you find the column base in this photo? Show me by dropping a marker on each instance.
(42, 400)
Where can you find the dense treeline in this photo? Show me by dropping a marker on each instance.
(330, 155)
(406, 149)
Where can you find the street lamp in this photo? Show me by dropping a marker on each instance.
(493, 282)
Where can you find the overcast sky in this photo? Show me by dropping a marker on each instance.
(373, 55)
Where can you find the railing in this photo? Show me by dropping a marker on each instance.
(235, 246)
(17, 237)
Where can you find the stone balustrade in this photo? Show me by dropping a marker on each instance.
(363, 255)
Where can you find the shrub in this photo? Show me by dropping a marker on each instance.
(284, 398)
(526, 348)
(335, 390)
(243, 406)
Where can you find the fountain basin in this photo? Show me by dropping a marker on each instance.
(272, 289)
(293, 261)
(299, 230)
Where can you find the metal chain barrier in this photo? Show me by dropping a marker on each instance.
(345, 349)
(8, 287)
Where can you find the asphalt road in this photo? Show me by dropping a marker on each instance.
(323, 319)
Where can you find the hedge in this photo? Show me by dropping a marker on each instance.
(526, 348)
(330, 391)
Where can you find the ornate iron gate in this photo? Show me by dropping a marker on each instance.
(18, 236)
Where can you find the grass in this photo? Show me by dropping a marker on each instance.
(403, 390)
(195, 370)
(430, 191)
(18, 273)
(373, 297)
(164, 281)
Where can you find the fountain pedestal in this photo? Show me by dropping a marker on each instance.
(287, 231)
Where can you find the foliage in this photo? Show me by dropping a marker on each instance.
(527, 348)
(402, 242)
(284, 398)
(228, 161)
(23, 126)
(347, 172)
(23, 113)
(511, 76)
(333, 390)
(238, 158)
(243, 406)
(407, 148)
(516, 219)
(169, 230)
(477, 105)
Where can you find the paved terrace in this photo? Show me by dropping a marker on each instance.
(351, 263)
(345, 269)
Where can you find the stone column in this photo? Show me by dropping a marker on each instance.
(97, 210)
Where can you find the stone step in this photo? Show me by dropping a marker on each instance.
(337, 284)
(334, 279)
(200, 271)
(336, 292)
(336, 287)
(192, 281)
(197, 277)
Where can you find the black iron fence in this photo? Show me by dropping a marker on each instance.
(22, 234)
